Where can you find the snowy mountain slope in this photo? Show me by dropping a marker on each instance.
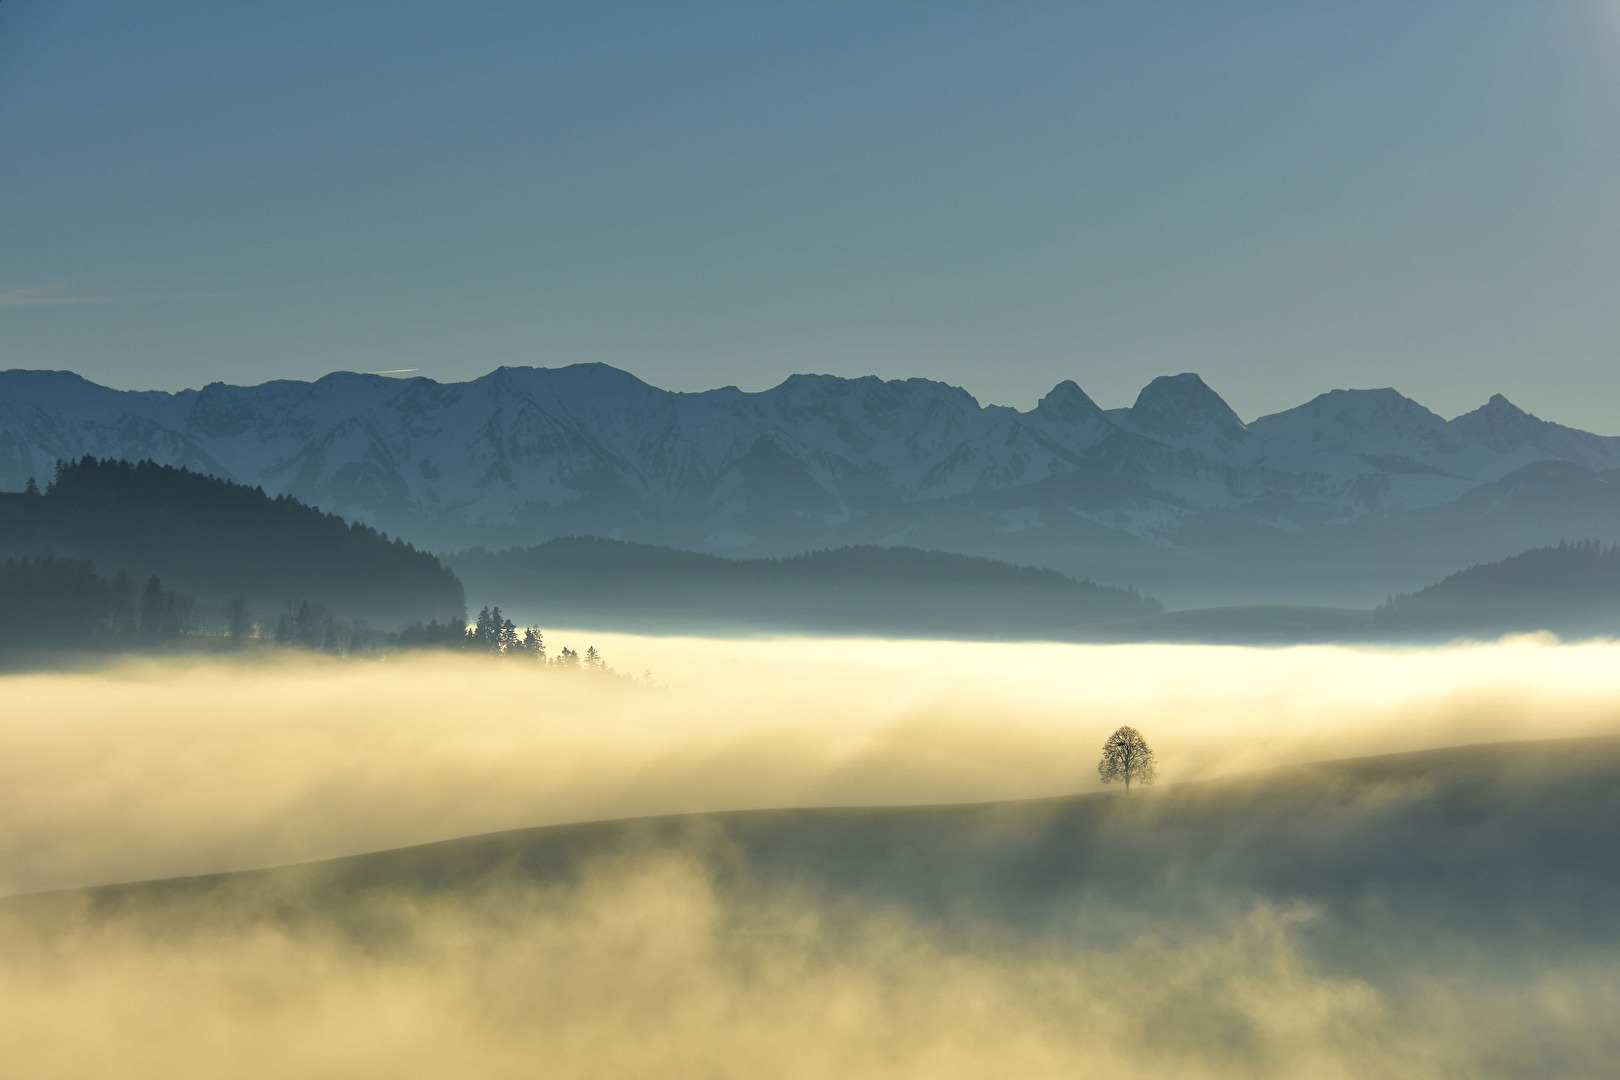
(1176, 487)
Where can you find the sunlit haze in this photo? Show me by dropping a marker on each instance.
(153, 769)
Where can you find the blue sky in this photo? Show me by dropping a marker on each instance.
(1283, 197)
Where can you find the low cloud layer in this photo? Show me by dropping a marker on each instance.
(1412, 921)
(159, 768)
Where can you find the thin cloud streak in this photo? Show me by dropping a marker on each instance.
(55, 294)
(61, 294)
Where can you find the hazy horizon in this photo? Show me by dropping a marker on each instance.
(998, 197)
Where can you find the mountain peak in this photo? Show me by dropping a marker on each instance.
(1352, 410)
(1067, 403)
(1183, 405)
(1500, 404)
(1499, 425)
(1496, 412)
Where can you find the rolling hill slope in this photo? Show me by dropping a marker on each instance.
(1430, 915)
(1495, 834)
(1572, 589)
(588, 581)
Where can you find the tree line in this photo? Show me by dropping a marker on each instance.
(493, 634)
(64, 605)
(214, 539)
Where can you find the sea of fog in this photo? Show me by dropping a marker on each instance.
(1416, 920)
(155, 768)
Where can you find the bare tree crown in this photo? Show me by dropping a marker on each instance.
(1127, 756)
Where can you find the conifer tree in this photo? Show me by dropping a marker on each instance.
(534, 643)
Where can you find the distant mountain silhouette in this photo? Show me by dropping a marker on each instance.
(212, 539)
(876, 590)
(1336, 501)
(1572, 589)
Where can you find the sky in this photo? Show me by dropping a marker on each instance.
(1285, 198)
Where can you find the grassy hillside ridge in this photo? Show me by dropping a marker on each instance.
(1570, 589)
(213, 539)
(865, 589)
(1431, 915)
(1491, 833)
(1427, 915)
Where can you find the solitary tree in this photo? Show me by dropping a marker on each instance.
(1127, 756)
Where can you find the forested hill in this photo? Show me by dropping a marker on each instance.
(1572, 589)
(213, 539)
(878, 590)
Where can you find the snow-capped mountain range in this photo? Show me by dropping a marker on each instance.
(1351, 495)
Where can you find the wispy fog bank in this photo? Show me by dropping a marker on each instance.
(171, 767)
(646, 968)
